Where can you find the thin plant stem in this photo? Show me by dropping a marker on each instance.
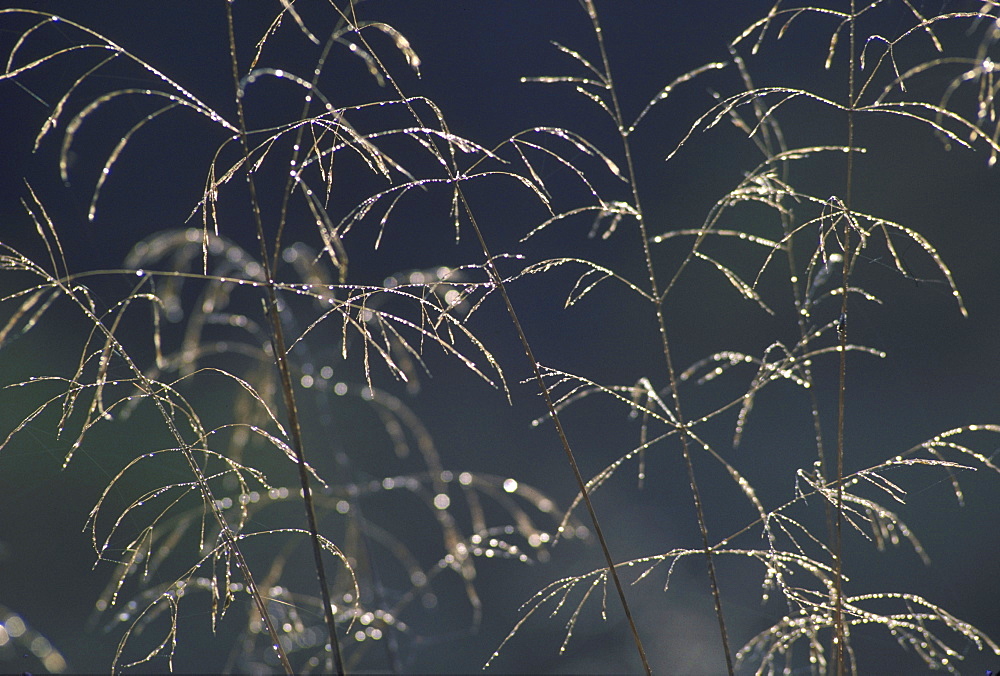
(662, 327)
(280, 356)
(563, 439)
(546, 394)
(838, 609)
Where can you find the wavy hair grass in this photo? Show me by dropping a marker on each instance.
(285, 330)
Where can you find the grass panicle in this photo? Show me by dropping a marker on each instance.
(263, 355)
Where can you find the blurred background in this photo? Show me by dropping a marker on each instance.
(940, 372)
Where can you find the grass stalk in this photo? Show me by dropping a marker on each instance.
(563, 439)
(840, 629)
(658, 299)
(281, 361)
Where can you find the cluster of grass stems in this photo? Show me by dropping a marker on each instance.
(186, 520)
